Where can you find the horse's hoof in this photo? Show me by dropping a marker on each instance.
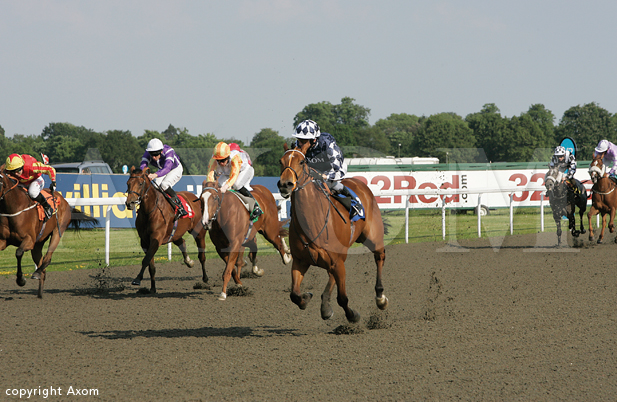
(599, 241)
(20, 281)
(189, 263)
(136, 282)
(305, 298)
(355, 316)
(326, 313)
(583, 231)
(382, 302)
(223, 296)
(258, 271)
(576, 233)
(286, 258)
(36, 275)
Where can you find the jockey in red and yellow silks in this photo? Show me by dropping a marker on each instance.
(28, 172)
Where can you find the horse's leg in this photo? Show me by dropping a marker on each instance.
(338, 272)
(611, 223)
(558, 224)
(601, 237)
(272, 234)
(326, 308)
(148, 261)
(380, 299)
(182, 246)
(252, 245)
(581, 211)
(298, 270)
(37, 257)
(200, 241)
(145, 245)
(152, 271)
(230, 259)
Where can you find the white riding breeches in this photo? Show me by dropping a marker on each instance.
(171, 178)
(244, 179)
(35, 187)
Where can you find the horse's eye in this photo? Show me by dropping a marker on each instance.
(302, 162)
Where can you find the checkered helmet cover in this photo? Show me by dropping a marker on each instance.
(307, 130)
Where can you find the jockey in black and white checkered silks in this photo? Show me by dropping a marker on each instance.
(325, 156)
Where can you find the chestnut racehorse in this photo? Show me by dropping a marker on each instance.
(603, 197)
(227, 220)
(564, 202)
(321, 233)
(156, 225)
(20, 226)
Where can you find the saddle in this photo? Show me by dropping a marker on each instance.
(248, 202)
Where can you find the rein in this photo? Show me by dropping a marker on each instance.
(220, 200)
(142, 194)
(8, 191)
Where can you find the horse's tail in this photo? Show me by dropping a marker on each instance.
(283, 231)
(386, 226)
(80, 219)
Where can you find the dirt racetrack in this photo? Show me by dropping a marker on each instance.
(474, 320)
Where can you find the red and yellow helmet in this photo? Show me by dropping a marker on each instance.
(221, 151)
(14, 162)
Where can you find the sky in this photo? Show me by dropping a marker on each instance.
(232, 68)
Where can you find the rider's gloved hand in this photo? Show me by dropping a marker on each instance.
(224, 188)
(52, 187)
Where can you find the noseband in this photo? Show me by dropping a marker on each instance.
(219, 198)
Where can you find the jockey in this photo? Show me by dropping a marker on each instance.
(170, 170)
(28, 171)
(235, 171)
(563, 160)
(608, 153)
(245, 155)
(325, 156)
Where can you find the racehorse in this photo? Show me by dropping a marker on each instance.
(22, 226)
(603, 198)
(227, 220)
(321, 233)
(156, 224)
(564, 202)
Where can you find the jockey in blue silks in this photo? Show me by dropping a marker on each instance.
(170, 170)
(325, 156)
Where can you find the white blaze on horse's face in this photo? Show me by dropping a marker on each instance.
(205, 218)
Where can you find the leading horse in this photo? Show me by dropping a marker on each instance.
(603, 198)
(231, 230)
(321, 232)
(564, 202)
(156, 224)
(22, 226)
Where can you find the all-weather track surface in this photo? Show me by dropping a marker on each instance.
(511, 318)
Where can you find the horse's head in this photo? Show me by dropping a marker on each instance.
(137, 186)
(596, 169)
(211, 198)
(293, 166)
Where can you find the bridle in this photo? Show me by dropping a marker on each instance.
(219, 198)
(143, 190)
(3, 193)
(306, 171)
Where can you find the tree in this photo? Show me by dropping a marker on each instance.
(266, 149)
(343, 121)
(448, 137)
(121, 148)
(399, 129)
(587, 125)
(524, 136)
(489, 130)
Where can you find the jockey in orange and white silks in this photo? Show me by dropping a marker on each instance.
(234, 171)
(29, 173)
(608, 152)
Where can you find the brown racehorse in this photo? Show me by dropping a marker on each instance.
(320, 232)
(603, 197)
(230, 231)
(156, 225)
(21, 227)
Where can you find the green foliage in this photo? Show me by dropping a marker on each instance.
(448, 137)
(587, 125)
(399, 129)
(266, 149)
(489, 130)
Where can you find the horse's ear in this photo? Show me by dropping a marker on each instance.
(132, 169)
(146, 170)
(285, 147)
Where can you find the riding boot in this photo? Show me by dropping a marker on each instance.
(256, 212)
(48, 211)
(353, 208)
(180, 211)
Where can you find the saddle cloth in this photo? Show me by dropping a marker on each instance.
(248, 202)
(353, 205)
(50, 201)
(187, 207)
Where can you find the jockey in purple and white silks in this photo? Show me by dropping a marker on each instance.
(325, 156)
(170, 170)
(608, 152)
